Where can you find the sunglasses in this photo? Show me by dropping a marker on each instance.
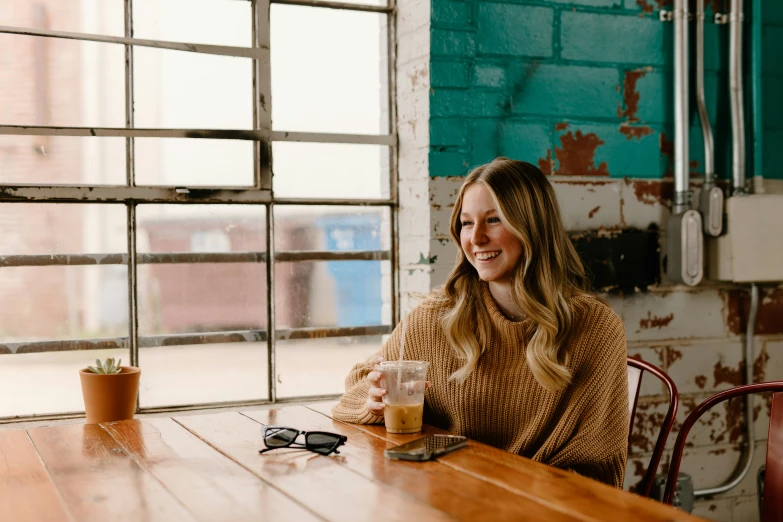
(321, 442)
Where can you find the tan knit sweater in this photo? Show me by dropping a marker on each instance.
(583, 428)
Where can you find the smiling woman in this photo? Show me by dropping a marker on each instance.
(521, 356)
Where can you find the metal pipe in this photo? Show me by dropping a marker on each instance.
(758, 124)
(749, 427)
(704, 117)
(735, 97)
(682, 193)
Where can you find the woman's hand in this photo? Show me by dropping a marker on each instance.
(375, 393)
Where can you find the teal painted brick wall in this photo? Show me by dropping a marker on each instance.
(772, 88)
(579, 87)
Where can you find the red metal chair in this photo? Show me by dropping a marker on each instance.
(772, 503)
(636, 368)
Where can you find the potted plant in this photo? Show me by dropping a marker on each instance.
(109, 390)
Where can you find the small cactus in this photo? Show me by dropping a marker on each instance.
(106, 367)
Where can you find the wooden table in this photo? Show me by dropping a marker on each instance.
(207, 468)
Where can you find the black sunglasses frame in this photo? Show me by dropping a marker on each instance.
(340, 440)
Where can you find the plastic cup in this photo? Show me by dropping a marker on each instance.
(405, 382)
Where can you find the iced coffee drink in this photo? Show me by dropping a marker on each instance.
(404, 382)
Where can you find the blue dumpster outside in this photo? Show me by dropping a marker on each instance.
(357, 283)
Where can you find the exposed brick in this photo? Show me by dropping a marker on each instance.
(614, 38)
(518, 140)
(563, 90)
(449, 74)
(447, 102)
(449, 13)
(448, 163)
(588, 205)
(488, 75)
(448, 133)
(452, 43)
(515, 30)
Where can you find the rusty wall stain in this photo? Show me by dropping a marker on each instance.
(592, 212)
(654, 321)
(653, 192)
(646, 7)
(700, 381)
(672, 355)
(561, 126)
(727, 374)
(735, 425)
(545, 164)
(577, 155)
(768, 318)
(632, 131)
(630, 94)
(667, 150)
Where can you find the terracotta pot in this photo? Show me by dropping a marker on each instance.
(110, 397)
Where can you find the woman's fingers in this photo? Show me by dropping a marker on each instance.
(376, 408)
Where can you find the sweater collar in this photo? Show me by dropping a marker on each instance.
(497, 315)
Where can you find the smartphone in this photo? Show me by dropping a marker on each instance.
(426, 448)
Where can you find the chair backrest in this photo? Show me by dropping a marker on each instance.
(636, 368)
(774, 474)
(772, 503)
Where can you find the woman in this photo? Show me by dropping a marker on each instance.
(521, 356)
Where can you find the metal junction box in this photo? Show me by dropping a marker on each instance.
(751, 250)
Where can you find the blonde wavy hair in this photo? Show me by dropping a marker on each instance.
(544, 283)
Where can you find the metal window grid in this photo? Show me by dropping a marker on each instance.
(132, 195)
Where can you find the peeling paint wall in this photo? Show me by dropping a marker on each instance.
(582, 88)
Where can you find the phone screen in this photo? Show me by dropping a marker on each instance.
(426, 447)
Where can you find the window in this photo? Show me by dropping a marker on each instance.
(208, 196)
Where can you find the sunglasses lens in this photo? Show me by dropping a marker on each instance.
(322, 443)
(278, 437)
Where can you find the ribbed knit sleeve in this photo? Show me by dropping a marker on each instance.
(599, 402)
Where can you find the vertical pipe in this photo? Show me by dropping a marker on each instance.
(758, 123)
(681, 146)
(735, 97)
(704, 117)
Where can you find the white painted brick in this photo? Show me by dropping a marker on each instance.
(413, 45)
(716, 427)
(413, 164)
(705, 366)
(440, 222)
(412, 15)
(413, 106)
(745, 509)
(414, 279)
(414, 194)
(445, 189)
(439, 274)
(414, 133)
(412, 250)
(647, 425)
(589, 205)
(445, 250)
(674, 315)
(709, 469)
(414, 223)
(413, 76)
(712, 509)
(640, 210)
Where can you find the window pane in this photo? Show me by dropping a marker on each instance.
(199, 374)
(337, 81)
(330, 170)
(178, 89)
(51, 81)
(332, 293)
(314, 227)
(93, 16)
(319, 366)
(193, 162)
(63, 160)
(194, 21)
(47, 383)
(197, 297)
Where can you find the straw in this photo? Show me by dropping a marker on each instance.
(402, 350)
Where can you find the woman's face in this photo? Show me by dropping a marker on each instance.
(488, 245)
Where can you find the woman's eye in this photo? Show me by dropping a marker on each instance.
(466, 223)
(493, 220)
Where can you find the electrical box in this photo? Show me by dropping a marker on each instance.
(683, 492)
(751, 250)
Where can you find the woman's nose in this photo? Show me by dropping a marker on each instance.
(479, 235)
